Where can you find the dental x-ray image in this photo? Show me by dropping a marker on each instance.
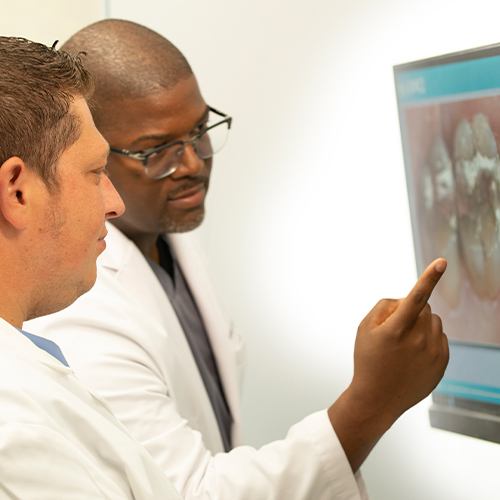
(449, 112)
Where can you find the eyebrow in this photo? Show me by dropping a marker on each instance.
(105, 156)
(168, 137)
(103, 159)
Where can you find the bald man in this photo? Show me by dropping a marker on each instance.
(149, 337)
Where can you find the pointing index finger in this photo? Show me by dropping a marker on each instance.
(411, 306)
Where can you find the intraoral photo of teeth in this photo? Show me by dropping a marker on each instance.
(456, 170)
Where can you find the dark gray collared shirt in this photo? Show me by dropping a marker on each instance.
(172, 280)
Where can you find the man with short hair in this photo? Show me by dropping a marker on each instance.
(150, 338)
(56, 439)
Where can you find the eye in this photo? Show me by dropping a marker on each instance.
(201, 127)
(98, 173)
(157, 154)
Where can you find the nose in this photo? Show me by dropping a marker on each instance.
(191, 164)
(113, 202)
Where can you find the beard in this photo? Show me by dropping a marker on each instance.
(173, 224)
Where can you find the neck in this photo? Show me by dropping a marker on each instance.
(12, 316)
(12, 306)
(145, 242)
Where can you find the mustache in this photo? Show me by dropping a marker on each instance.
(187, 185)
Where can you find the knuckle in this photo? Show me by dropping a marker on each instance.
(419, 297)
(437, 323)
(420, 342)
(395, 330)
(435, 353)
(446, 347)
(393, 334)
(361, 328)
(438, 351)
(425, 316)
(388, 302)
(383, 303)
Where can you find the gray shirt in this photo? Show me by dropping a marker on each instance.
(172, 280)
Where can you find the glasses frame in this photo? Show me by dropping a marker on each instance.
(144, 154)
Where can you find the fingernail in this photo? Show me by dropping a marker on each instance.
(440, 265)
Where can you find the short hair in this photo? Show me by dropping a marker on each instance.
(127, 60)
(37, 86)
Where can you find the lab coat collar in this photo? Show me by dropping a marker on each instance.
(11, 338)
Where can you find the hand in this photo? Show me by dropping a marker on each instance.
(400, 355)
(401, 351)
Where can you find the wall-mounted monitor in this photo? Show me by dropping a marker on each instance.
(449, 112)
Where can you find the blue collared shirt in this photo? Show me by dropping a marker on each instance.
(47, 345)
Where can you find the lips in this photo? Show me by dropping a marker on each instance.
(186, 193)
(190, 197)
(101, 242)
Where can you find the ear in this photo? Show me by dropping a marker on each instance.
(17, 184)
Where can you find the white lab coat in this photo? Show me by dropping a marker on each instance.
(58, 441)
(125, 342)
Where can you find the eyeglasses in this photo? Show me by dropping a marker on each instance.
(163, 160)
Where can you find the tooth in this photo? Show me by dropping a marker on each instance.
(428, 199)
(439, 200)
(486, 198)
(427, 188)
(483, 136)
(466, 168)
(463, 148)
(465, 173)
(477, 173)
(442, 169)
(486, 146)
(473, 253)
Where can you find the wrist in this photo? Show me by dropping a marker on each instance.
(358, 424)
(365, 411)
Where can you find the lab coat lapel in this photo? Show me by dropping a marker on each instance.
(135, 273)
(217, 327)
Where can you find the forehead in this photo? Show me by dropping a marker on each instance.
(168, 111)
(90, 147)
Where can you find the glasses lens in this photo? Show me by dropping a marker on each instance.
(165, 162)
(213, 141)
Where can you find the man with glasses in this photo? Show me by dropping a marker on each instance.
(149, 337)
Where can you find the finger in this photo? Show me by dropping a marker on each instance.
(446, 348)
(426, 312)
(411, 306)
(436, 337)
(437, 325)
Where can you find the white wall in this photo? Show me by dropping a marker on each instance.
(48, 20)
(308, 221)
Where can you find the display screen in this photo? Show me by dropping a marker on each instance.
(449, 110)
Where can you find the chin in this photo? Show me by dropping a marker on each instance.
(183, 225)
(87, 284)
(80, 288)
(56, 305)
(59, 294)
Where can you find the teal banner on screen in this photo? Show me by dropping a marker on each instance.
(474, 76)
